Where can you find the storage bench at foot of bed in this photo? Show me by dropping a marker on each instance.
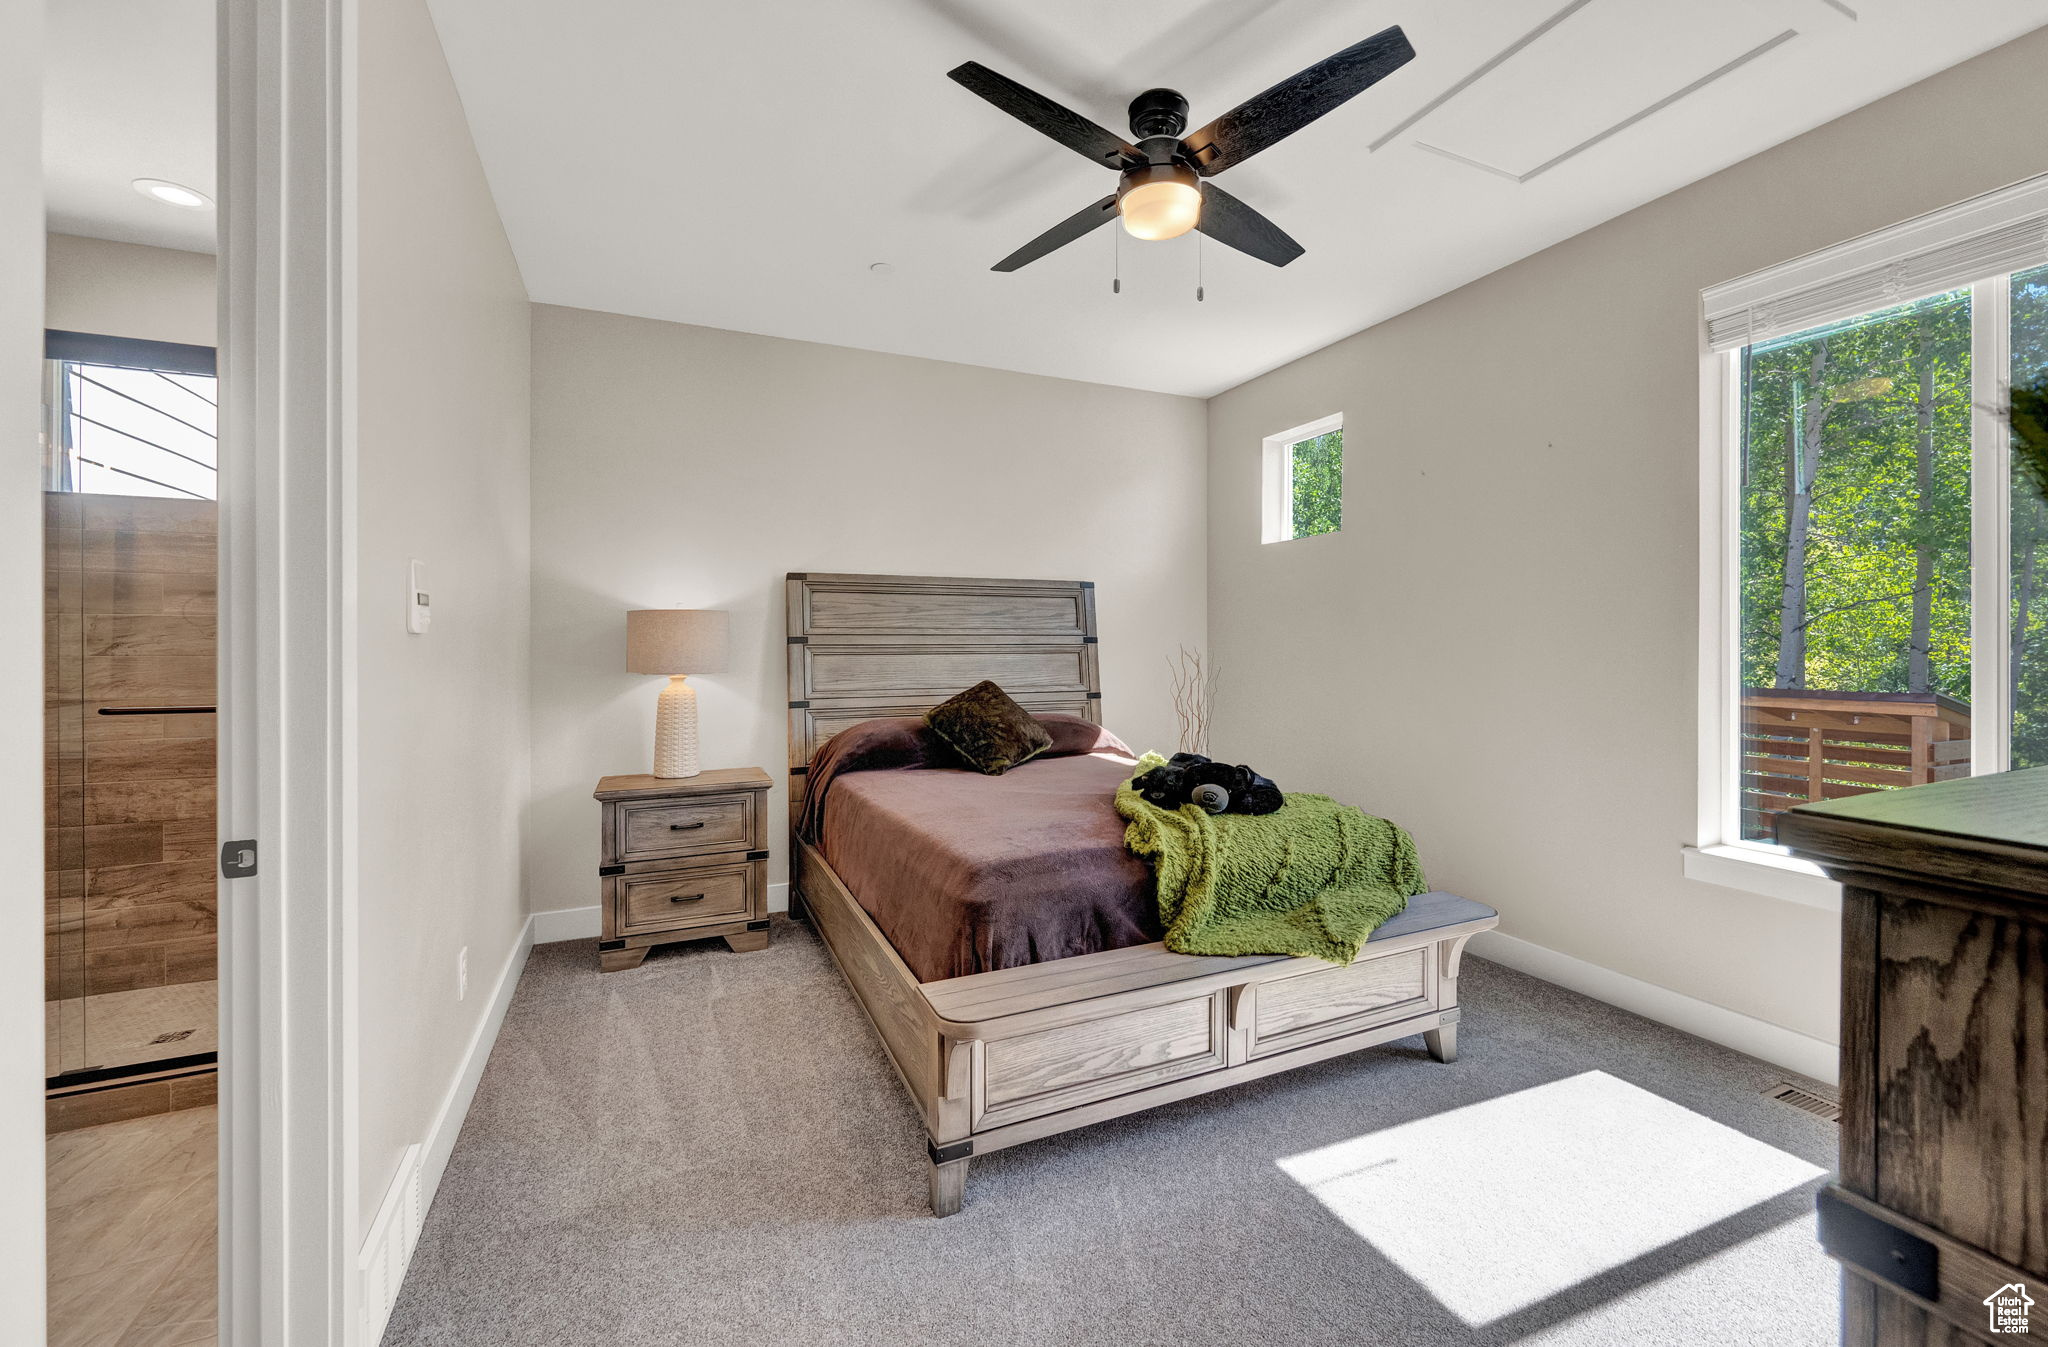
(1078, 1045)
(999, 1058)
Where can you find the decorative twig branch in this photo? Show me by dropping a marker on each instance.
(2026, 412)
(1194, 696)
(2028, 416)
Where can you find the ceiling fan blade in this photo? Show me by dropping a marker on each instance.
(1061, 234)
(1270, 117)
(1043, 115)
(1228, 220)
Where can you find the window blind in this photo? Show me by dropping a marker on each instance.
(1990, 235)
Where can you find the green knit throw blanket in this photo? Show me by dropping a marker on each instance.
(1315, 878)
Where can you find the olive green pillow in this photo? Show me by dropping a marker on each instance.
(987, 729)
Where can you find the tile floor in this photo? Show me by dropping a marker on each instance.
(122, 1028)
(133, 1253)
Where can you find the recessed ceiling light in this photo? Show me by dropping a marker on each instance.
(881, 268)
(173, 193)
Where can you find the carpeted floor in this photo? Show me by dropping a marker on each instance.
(712, 1149)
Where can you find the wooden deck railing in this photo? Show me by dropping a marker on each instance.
(1802, 744)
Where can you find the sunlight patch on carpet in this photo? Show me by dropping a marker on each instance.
(1499, 1205)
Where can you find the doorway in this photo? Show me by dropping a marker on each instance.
(286, 1225)
(130, 579)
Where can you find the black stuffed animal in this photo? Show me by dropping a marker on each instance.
(1218, 788)
(1167, 785)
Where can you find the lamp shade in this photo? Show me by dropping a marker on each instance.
(676, 641)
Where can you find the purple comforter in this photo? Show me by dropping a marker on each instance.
(966, 873)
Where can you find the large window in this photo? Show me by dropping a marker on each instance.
(2027, 665)
(1881, 568)
(1304, 481)
(1855, 536)
(130, 418)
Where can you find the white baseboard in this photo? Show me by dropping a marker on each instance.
(454, 1108)
(581, 923)
(1759, 1038)
(566, 923)
(387, 1250)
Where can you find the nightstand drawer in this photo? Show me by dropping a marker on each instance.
(682, 858)
(667, 900)
(654, 829)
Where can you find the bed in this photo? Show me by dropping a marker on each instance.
(1012, 1054)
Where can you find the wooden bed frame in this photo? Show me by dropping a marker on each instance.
(994, 1059)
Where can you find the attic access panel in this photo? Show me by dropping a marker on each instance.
(1603, 67)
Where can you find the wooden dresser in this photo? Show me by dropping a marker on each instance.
(682, 859)
(1939, 1215)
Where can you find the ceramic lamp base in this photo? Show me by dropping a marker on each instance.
(675, 731)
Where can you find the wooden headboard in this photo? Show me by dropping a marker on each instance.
(862, 646)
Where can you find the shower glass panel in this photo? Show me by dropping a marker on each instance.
(130, 555)
(63, 784)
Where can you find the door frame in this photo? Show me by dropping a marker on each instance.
(22, 1253)
(287, 669)
(288, 1225)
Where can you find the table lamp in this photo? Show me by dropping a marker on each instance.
(676, 642)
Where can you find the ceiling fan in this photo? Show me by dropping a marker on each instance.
(1161, 194)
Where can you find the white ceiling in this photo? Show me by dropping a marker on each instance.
(128, 92)
(742, 165)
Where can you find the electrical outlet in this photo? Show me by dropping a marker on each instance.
(462, 973)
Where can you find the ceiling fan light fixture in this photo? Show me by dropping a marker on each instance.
(1158, 195)
(1159, 201)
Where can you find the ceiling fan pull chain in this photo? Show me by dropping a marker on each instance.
(1198, 268)
(1116, 261)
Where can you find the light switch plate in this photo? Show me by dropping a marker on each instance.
(418, 616)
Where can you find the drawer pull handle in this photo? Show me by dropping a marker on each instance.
(680, 898)
(685, 827)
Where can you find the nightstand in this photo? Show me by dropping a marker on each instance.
(682, 859)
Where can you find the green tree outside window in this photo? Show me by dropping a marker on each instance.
(1318, 475)
(1856, 504)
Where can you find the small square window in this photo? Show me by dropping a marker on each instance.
(1304, 481)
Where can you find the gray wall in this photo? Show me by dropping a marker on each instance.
(693, 467)
(1500, 648)
(130, 290)
(442, 433)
